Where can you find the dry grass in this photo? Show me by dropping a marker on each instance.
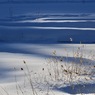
(60, 71)
(57, 71)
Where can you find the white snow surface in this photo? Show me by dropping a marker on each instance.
(34, 35)
(36, 56)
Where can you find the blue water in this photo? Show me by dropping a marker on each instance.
(14, 9)
(20, 22)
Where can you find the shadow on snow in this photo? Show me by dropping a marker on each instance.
(78, 89)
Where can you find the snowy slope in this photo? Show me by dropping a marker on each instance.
(30, 37)
(14, 81)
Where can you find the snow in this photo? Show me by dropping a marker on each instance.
(47, 48)
(36, 56)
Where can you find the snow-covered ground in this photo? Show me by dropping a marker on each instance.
(47, 48)
(13, 79)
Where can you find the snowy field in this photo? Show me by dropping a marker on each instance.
(38, 57)
(47, 48)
